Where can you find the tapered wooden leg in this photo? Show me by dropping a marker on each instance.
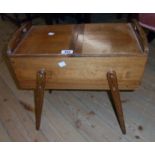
(39, 95)
(113, 85)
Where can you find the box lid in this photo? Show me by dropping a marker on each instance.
(80, 40)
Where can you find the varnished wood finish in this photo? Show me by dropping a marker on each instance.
(66, 107)
(141, 36)
(38, 41)
(18, 36)
(79, 72)
(114, 89)
(39, 95)
(85, 40)
(110, 39)
(98, 49)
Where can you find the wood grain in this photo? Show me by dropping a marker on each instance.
(17, 37)
(141, 36)
(114, 89)
(79, 73)
(37, 40)
(98, 50)
(138, 108)
(84, 39)
(39, 95)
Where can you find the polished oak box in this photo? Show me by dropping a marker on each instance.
(81, 56)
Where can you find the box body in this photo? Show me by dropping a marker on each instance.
(79, 72)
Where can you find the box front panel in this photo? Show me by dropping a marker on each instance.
(79, 72)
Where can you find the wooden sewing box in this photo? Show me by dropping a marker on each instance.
(102, 56)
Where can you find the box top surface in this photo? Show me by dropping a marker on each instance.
(83, 39)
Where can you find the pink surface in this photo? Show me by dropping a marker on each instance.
(147, 20)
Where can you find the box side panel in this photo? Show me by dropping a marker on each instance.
(79, 72)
